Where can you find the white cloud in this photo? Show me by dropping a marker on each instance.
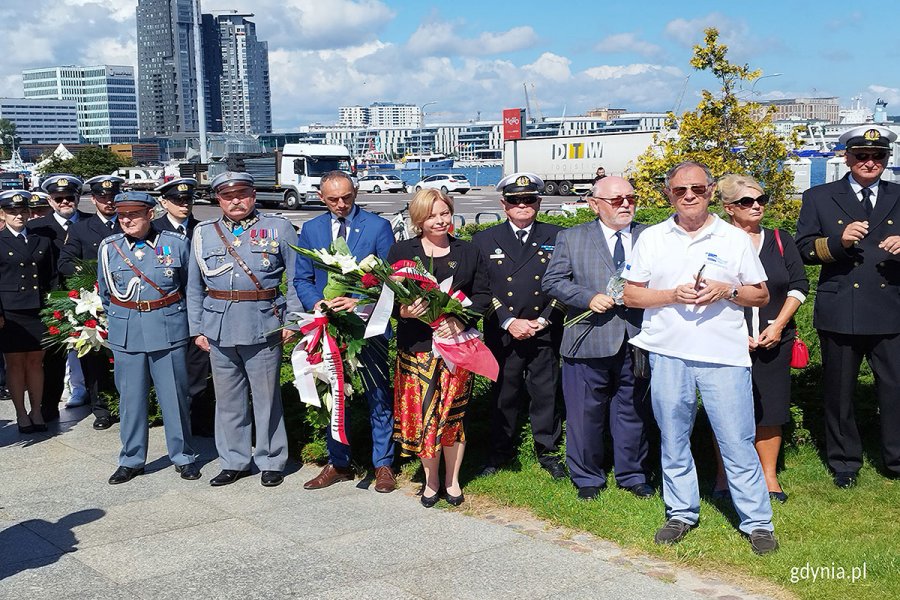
(440, 38)
(891, 95)
(551, 67)
(617, 72)
(109, 51)
(118, 10)
(628, 42)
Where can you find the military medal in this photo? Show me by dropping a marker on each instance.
(168, 272)
(266, 263)
(139, 252)
(237, 231)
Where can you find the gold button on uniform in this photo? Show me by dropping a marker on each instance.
(537, 308)
(890, 222)
(882, 285)
(509, 293)
(509, 278)
(536, 293)
(840, 222)
(511, 308)
(856, 285)
(537, 277)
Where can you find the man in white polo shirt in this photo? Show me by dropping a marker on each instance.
(693, 274)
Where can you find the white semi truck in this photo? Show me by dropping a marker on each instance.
(569, 162)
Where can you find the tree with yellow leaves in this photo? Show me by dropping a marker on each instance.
(724, 132)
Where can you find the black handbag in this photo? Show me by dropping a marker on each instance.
(640, 362)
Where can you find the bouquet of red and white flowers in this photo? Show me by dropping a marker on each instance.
(75, 320)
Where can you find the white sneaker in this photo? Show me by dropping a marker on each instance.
(78, 397)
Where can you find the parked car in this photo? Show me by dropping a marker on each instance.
(381, 183)
(446, 182)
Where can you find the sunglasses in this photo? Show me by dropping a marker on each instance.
(697, 190)
(748, 202)
(867, 156)
(618, 200)
(528, 200)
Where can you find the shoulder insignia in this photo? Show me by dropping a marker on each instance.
(206, 222)
(273, 216)
(174, 234)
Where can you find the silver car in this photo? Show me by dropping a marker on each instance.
(381, 183)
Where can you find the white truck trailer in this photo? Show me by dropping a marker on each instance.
(567, 162)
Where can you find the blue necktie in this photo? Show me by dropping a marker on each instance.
(619, 251)
(342, 228)
(867, 201)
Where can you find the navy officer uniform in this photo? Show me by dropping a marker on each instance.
(849, 227)
(54, 227)
(82, 243)
(175, 194)
(142, 281)
(517, 258)
(234, 300)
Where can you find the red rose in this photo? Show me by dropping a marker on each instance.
(314, 358)
(53, 330)
(57, 315)
(74, 334)
(427, 285)
(369, 281)
(103, 334)
(91, 324)
(73, 294)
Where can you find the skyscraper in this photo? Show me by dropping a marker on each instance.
(167, 84)
(105, 96)
(243, 72)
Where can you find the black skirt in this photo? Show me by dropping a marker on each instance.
(22, 332)
(772, 382)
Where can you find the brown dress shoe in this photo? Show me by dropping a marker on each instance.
(329, 475)
(385, 482)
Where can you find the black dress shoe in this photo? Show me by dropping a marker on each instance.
(487, 471)
(26, 429)
(227, 476)
(429, 501)
(556, 469)
(845, 479)
(39, 427)
(641, 490)
(588, 492)
(189, 471)
(124, 474)
(103, 422)
(271, 478)
(455, 500)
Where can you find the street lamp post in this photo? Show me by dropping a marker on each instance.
(757, 80)
(421, 143)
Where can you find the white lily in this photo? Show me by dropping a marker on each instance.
(367, 264)
(88, 301)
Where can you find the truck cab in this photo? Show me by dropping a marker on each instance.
(301, 167)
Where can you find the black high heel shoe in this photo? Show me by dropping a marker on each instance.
(26, 428)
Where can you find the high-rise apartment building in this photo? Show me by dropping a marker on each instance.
(380, 114)
(167, 85)
(243, 72)
(105, 97)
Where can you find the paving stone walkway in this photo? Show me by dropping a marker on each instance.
(66, 533)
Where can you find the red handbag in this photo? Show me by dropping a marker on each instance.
(799, 354)
(799, 351)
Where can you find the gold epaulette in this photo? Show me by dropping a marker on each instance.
(822, 251)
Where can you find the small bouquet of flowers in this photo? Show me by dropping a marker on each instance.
(75, 320)
(615, 289)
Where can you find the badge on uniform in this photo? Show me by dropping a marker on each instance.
(498, 253)
(164, 255)
(139, 250)
(168, 272)
(547, 247)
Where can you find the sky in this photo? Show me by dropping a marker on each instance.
(475, 58)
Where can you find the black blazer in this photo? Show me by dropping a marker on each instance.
(48, 227)
(470, 276)
(27, 272)
(859, 287)
(784, 274)
(82, 241)
(515, 273)
(164, 224)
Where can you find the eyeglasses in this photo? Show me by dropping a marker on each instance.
(867, 156)
(529, 200)
(697, 190)
(618, 201)
(59, 199)
(748, 202)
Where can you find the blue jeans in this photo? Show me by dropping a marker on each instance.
(728, 399)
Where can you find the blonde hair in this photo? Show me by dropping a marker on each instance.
(730, 187)
(421, 205)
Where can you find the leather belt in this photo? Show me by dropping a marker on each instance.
(148, 305)
(244, 295)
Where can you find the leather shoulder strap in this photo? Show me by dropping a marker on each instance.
(137, 271)
(236, 256)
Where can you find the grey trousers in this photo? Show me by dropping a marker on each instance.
(237, 372)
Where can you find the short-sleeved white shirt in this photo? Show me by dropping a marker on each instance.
(664, 257)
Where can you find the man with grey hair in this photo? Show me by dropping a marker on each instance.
(693, 274)
(597, 375)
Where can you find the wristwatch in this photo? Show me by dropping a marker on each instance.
(734, 294)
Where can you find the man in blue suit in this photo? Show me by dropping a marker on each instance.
(365, 234)
(142, 274)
